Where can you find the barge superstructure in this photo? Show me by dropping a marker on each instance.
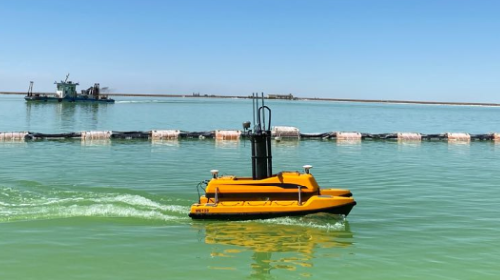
(66, 92)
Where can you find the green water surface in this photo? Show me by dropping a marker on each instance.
(118, 209)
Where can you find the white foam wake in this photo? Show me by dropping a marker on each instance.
(25, 205)
(329, 224)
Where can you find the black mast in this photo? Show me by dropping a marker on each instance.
(262, 164)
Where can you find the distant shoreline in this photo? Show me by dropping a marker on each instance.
(296, 98)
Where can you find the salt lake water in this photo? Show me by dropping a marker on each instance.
(118, 209)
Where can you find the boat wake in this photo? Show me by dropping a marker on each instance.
(148, 101)
(139, 101)
(326, 222)
(16, 205)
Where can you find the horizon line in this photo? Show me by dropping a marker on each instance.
(389, 101)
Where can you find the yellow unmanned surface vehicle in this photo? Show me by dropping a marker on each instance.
(267, 195)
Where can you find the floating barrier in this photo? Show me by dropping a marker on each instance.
(35, 136)
(325, 136)
(199, 135)
(288, 132)
(409, 136)
(13, 136)
(462, 137)
(278, 132)
(349, 136)
(227, 134)
(97, 135)
(165, 134)
(130, 134)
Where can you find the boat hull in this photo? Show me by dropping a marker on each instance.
(59, 100)
(248, 210)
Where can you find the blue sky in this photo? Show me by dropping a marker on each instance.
(443, 50)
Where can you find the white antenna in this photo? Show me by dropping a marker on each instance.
(306, 168)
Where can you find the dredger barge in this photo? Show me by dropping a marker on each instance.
(66, 92)
(266, 195)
